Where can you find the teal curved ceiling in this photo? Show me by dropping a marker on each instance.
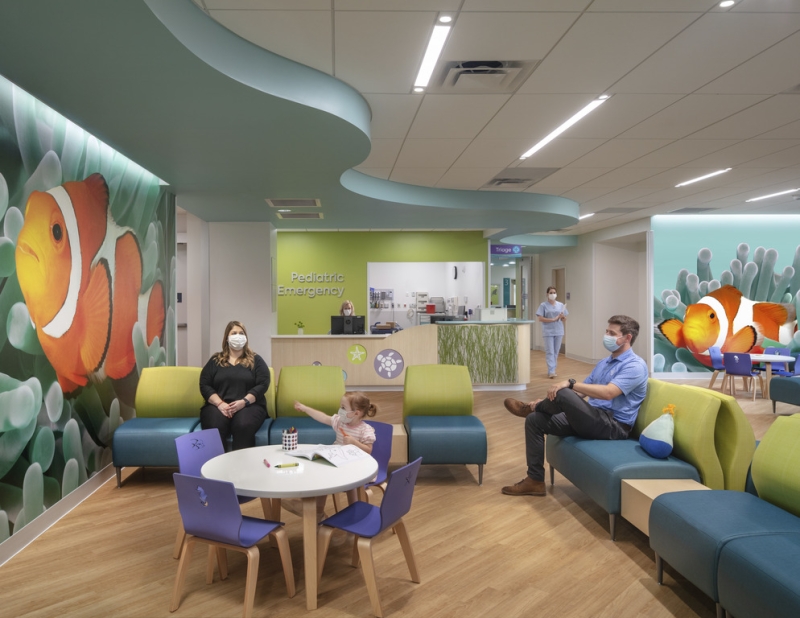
(228, 124)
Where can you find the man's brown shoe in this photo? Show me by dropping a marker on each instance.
(526, 487)
(517, 407)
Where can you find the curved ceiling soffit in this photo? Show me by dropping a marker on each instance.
(539, 243)
(516, 213)
(262, 70)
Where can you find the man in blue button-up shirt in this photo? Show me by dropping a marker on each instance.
(602, 407)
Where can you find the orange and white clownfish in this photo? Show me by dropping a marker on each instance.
(81, 275)
(731, 322)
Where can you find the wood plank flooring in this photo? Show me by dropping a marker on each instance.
(480, 553)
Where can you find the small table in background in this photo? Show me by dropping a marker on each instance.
(246, 470)
(768, 359)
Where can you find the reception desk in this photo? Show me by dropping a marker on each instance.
(496, 353)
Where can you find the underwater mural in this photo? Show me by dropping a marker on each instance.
(87, 280)
(752, 304)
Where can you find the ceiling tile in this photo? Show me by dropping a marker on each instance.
(659, 6)
(302, 36)
(621, 112)
(601, 48)
(270, 5)
(505, 36)
(396, 5)
(760, 118)
(690, 114)
(782, 158)
(438, 153)
(680, 152)
(491, 153)
(622, 177)
(570, 177)
(376, 172)
(524, 5)
(741, 153)
(455, 115)
(467, 177)
(383, 154)
(773, 70)
(392, 114)
(765, 6)
(618, 197)
(582, 194)
(423, 176)
(560, 152)
(688, 62)
(789, 131)
(533, 116)
(617, 152)
(380, 51)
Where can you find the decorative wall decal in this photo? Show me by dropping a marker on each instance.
(388, 363)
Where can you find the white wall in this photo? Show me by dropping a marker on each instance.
(240, 285)
(435, 278)
(197, 291)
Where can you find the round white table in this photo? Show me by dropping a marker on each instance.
(768, 359)
(245, 468)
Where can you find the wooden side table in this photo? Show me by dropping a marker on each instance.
(637, 497)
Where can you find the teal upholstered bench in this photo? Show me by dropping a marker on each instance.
(437, 414)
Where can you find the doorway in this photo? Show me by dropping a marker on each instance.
(558, 280)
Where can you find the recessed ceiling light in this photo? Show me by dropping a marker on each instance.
(726, 3)
(419, 89)
(491, 263)
(435, 46)
(586, 216)
(699, 178)
(446, 19)
(505, 265)
(586, 110)
(512, 262)
(284, 210)
(763, 197)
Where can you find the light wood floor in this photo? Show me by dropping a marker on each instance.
(480, 553)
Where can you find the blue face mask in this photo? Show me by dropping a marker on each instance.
(610, 343)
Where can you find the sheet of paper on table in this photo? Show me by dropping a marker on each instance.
(337, 455)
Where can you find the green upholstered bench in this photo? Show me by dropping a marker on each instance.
(437, 414)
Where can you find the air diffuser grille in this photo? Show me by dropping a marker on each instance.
(293, 203)
(300, 215)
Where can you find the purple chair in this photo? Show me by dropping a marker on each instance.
(740, 365)
(366, 522)
(382, 453)
(210, 513)
(780, 369)
(195, 449)
(717, 365)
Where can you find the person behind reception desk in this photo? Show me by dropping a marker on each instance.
(233, 383)
(347, 308)
(552, 314)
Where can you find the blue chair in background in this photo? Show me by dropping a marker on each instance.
(717, 364)
(210, 513)
(780, 368)
(366, 522)
(382, 453)
(195, 449)
(740, 365)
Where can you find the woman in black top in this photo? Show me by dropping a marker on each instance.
(233, 383)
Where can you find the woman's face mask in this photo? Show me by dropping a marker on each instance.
(552, 295)
(347, 311)
(236, 342)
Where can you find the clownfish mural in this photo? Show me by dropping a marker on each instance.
(726, 319)
(81, 276)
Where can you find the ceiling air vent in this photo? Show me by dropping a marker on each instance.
(300, 215)
(292, 203)
(480, 76)
(519, 178)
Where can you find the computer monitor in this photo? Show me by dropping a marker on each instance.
(347, 325)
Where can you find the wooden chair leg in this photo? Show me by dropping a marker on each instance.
(323, 542)
(282, 540)
(355, 558)
(252, 580)
(368, 568)
(180, 577)
(713, 379)
(176, 551)
(212, 554)
(408, 552)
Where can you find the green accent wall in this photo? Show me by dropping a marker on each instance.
(343, 257)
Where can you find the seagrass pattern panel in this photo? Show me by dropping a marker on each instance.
(489, 351)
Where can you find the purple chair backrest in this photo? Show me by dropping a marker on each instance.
(737, 364)
(716, 358)
(196, 448)
(209, 509)
(780, 352)
(399, 492)
(382, 449)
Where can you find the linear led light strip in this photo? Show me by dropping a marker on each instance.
(712, 174)
(763, 197)
(435, 46)
(585, 111)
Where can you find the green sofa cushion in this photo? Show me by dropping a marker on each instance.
(695, 423)
(734, 440)
(776, 465)
(169, 392)
(437, 390)
(319, 387)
